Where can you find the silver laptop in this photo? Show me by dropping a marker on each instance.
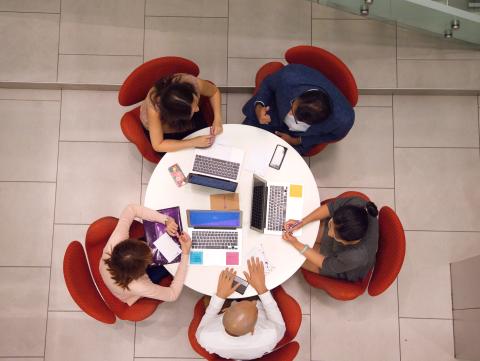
(219, 161)
(273, 204)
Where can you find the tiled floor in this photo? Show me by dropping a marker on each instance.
(64, 162)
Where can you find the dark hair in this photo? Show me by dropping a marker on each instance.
(351, 222)
(174, 101)
(313, 107)
(128, 261)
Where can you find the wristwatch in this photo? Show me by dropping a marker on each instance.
(305, 249)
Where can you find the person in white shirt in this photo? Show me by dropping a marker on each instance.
(247, 329)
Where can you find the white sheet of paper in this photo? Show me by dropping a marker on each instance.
(167, 247)
(259, 252)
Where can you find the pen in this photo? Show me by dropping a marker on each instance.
(294, 225)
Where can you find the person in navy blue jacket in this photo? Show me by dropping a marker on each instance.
(301, 106)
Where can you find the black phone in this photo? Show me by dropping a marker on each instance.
(243, 284)
(278, 156)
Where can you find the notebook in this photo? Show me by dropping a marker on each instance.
(158, 239)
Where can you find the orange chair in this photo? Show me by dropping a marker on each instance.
(327, 64)
(135, 88)
(80, 284)
(292, 315)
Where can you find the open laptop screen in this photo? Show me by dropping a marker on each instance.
(214, 219)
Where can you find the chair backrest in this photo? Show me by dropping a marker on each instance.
(139, 82)
(285, 353)
(329, 65)
(80, 284)
(291, 313)
(391, 251)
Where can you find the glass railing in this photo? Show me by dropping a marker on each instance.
(458, 19)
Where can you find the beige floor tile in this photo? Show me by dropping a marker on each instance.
(426, 340)
(465, 328)
(374, 101)
(381, 197)
(262, 29)
(29, 140)
(329, 12)
(363, 158)
(166, 359)
(30, 94)
(437, 188)
(463, 274)
(22, 359)
(144, 190)
(27, 223)
(303, 338)
(341, 329)
(23, 301)
(202, 40)
(366, 47)
(424, 283)
(75, 336)
(60, 299)
(415, 44)
(91, 116)
(439, 74)
(207, 8)
(109, 27)
(96, 180)
(435, 121)
(234, 107)
(148, 168)
(96, 69)
(44, 6)
(298, 288)
(29, 45)
(242, 71)
(164, 334)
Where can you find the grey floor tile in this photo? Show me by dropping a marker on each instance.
(200, 8)
(381, 197)
(30, 94)
(234, 107)
(109, 27)
(426, 340)
(164, 334)
(27, 223)
(465, 326)
(147, 170)
(166, 359)
(363, 158)
(441, 74)
(424, 287)
(366, 47)
(242, 71)
(329, 12)
(91, 116)
(29, 45)
(374, 101)
(435, 121)
(144, 191)
(296, 287)
(23, 301)
(29, 140)
(96, 69)
(415, 44)
(44, 6)
(96, 180)
(262, 29)
(60, 299)
(338, 326)
(75, 336)
(463, 275)
(437, 189)
(202, 40)
(22, 359)
(303, 338)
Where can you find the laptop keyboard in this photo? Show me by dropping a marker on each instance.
(214, 240)
(256, 219)
(277, 207)
(216, 167)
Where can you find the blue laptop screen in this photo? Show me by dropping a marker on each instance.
(215, 219)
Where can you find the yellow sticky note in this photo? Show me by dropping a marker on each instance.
(296, 190)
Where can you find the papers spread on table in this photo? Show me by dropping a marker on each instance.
(167, 247)
(259, 252)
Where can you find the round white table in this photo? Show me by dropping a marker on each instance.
(258, 144)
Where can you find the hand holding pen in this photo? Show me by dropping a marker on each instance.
(292, 225)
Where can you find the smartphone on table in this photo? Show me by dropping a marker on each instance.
(243, 284)
(177, 175)
(278, 156)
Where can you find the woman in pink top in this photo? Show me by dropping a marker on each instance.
(170, 112)
(124, 261)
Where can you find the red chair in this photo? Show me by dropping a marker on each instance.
(97, 236)
(326, 63)
(292, 315)
(80, 284)
(135, 88)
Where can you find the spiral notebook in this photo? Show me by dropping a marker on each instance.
(166, 249)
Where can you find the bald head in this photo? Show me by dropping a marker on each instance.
(240, 318)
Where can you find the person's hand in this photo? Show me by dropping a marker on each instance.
(289, 139)
(257, 275)
(185, 242)
(171, 226)
(225, 281)
(262, 115)
(216, 128)
(292, 225)
(287, 236)
(203, 141)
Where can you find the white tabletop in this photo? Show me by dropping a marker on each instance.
(258, 145)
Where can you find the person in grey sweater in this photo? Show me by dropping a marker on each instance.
(347, 240)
